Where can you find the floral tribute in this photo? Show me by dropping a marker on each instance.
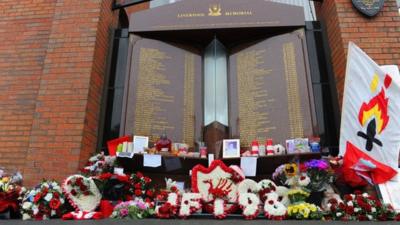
(361, 207)
(99, 164)
(44, 201)
(135, 209)
(83, 195)
(114, 187)
(9, 192)
(142, 187)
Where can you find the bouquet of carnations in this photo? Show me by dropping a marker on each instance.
(136, 209)
(319, 173)
(43, 202)
(302, 211)
(142, 187)
(360, 207)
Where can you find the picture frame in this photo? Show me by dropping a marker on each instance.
(231, 148)
(140, 143)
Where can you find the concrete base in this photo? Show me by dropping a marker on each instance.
(184, 222)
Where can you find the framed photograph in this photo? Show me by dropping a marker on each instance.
(231, 148)
(140, 143)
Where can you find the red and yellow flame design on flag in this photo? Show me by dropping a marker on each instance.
(376, 108)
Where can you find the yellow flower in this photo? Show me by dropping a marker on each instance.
(291, 169)
(5, 179)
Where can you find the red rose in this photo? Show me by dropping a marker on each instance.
(173, 189)
(138, 192)
(350, 210)
(362, 217)
(79, 181)
(69, 182)
(83, 188)
(54, 203)
(73, 192)
(138, 186)
(139, 175)
(357, 192)
(86, 193)
(149, 193)
(44, 191)
(37, 197)
(342, 206)
(348, 198)
(56, 195)
(147, 180)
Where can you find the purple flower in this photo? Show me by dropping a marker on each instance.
(141, 205)
(317, 164)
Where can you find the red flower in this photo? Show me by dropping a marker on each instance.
(362, 217)
(333, 201)
(73, 192)
(149, 193)
(342, 206)
(138, 192)
(54, 203)
(105, 176)
(350, 210)
(138, 186)
(357, 192)
(69, 182)
(56, 195)
(173, 189)
(123, 178)
(37, 197)
(86, 193)
(302, 168)
(79, 181)
(147, 180)
(139, 175)
(348, 198)
(83, 188)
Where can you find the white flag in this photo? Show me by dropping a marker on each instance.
(370, 125)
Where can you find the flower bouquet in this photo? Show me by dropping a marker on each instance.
(142, 187)
(115, 187)
(302, 211)
(99, 164)
(320, 174)
(43, 202)
(9, 192)
(361, 207)
(136, 209)
(297, 195)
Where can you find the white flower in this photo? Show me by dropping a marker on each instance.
(57, 188)
(48, 197)
(45, 185)
(62, 201)
(338, 214)
(373, 209)
(53, 212)
(304, 180)
(350, 203)
(35, 209)
(352, 196)
(356, 210)
(365, 195)
(247, 185)
(274, 209)
(26, 216)
(370, 217)
(27, 205)
(328, 205)
(44, 217)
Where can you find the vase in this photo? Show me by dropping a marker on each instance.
(316, 197)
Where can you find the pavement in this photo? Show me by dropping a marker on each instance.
(190, 221)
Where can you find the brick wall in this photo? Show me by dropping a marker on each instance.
(52, 64)
(378, 36)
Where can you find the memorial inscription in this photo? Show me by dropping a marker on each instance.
(164, 91)
(269, 87)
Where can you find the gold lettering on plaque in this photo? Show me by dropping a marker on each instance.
(292, 88)
(253, 97)
(150, 119)
(214, 10)
(188, 113)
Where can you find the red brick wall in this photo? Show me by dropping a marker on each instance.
(52, 64)
(378, 36)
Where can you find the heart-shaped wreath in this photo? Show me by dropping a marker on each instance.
(82, 193)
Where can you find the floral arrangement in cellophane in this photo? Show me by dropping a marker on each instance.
(99, 164)
(142, 187)
(44, 201)
(134, 209)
